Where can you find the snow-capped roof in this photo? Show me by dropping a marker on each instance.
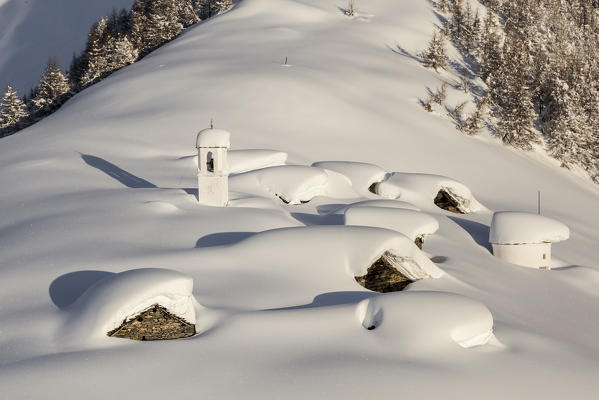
(409, 222)
(513, 227)
(109, 302)
(362, 175)
(421, 189)
(294, 184)
(211, 137)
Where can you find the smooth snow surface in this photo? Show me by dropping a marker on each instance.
(247, 160)
(512, 227)
(211, 137)
(108, 184)
(411, 223)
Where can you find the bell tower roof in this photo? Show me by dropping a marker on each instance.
(211, 137)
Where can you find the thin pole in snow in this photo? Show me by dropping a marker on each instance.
(285, 60)
(211, 124)
(539, 202)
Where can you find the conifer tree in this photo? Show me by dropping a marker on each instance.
(434, 56)
(186, 12)
(121, 52)
(491, 47)
(223, 5)
(97, 52)
(12, 111)
(516, 112)
(565, 126)
(53, 85)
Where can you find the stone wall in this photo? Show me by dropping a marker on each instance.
(155, 323)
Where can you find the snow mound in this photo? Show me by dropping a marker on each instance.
(244, 201)
(411, 223)
(119, 297)
(213, 138)
(421, 189)
(514, 227)
(290, 266)
(294, 184)
(385, 203)
(361, 175)
(161, 207)
(423, 320)
(248, 160)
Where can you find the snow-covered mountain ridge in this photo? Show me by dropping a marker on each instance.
(106, 185)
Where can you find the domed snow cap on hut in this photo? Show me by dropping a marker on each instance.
(413, 224)
(211, 137)
(164, 295)
(424, 189)
(513, 227)
(525, 239)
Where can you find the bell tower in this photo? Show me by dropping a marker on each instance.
(213, 169)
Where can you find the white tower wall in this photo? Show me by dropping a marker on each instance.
(533, 255)
(213, 176)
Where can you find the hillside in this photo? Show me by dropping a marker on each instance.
(106, 185)
(32, 31)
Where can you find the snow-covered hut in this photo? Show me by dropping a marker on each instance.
(213, 169)
(525, 238)
(415, 225)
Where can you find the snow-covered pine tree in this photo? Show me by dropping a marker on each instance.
(565, 125)
(139, 26)
(443, 5)
(440, 95)
(474, 122)
(77, 69)
(12, 111)
(490, 47)
(97, 52)
(515, 111)
(456, 22)
(186, 12)
(223, 5)
(52, 87)
(210, 8)
(164, 21)
(154, 22)
(121, 52)
(435, 56)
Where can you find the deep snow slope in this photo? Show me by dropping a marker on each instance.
(105, 185)
(31, 31)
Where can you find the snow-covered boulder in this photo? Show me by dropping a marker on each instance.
(420, 321)
(249, 160)
(525, 238)
(120, 297)
(423, 189)
(413, 224)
